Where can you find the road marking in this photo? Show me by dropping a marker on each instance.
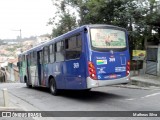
(130, 99)
(151, 95)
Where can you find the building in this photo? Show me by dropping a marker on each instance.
(13, 73)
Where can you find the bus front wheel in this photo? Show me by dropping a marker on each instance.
(53, 87)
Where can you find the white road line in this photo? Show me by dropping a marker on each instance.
(151, 95)
(147, 96)
(130, 99)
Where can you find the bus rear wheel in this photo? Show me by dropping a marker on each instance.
(53, 87)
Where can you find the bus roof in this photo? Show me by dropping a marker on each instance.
(63, 36)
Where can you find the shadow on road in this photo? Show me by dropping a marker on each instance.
(90, 95)
(83, 95)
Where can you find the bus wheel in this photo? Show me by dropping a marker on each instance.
(53, 87)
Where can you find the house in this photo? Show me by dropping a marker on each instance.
(13, 73)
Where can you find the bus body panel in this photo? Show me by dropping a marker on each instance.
(24, 66)
(59, 75)
(109, 71)
(74, 73)
(110, 66)
(54, 70)
(43, 74)
(28, 72)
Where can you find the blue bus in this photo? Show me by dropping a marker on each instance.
(87, 57)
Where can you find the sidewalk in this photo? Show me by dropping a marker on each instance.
(145, 80)
(11, 106)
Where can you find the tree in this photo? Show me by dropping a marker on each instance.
(137, 16)
(66, 22)
(152, 20)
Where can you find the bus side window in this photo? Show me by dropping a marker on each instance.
(33, 58)
(51, 53)
(45, 53)
(59, 51)
(73, 47)
(41, 58)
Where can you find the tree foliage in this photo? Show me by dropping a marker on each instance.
(65, 21)
(140, 17)
(65, 24)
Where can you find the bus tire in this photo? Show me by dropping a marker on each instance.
(53, 87)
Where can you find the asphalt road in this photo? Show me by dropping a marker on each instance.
(109, 98)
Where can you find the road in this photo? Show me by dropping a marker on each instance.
(109, 98)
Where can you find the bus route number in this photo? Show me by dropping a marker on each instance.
(111, 59)
(75, 65)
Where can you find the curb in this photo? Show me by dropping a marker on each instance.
(10, 109)
(143, 83)
(130, 86)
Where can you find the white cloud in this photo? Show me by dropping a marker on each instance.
(31, 16)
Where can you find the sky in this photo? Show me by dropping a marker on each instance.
(31, 16)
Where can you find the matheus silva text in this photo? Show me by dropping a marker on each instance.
(144, 114)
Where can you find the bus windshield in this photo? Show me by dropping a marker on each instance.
(107, 38)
